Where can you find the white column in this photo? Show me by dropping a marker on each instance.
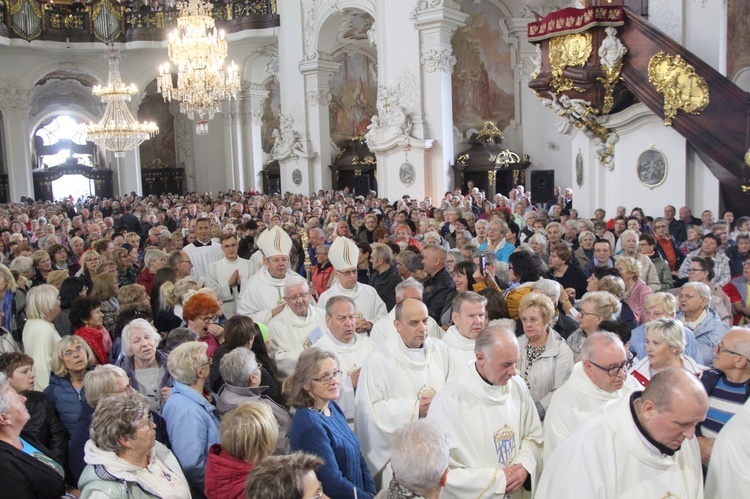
(15, 105)
(230, 119)
(436, 26)
(317, 74)
(257, 96)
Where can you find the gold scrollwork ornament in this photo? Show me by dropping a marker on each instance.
(568, 50)
(677, 81)
(608, 82)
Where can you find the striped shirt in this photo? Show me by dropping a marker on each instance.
(725, 400)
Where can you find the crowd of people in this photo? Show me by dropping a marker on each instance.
(241, 345)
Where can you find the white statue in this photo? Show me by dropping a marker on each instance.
(612, 49)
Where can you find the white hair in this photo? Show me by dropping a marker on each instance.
(420, 456)
(237, 366)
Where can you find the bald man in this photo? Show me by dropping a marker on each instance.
(397, 384)
(638, 446)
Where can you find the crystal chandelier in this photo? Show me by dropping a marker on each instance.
(198, 51)
(117, 131)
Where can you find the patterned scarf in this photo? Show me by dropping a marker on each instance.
(532, 353)
(396, 491)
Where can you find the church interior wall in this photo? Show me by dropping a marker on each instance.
(488, 82)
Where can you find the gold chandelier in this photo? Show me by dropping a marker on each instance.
(198, 51)
(117, 131)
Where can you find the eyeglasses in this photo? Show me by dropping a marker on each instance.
(659, 226)
(297, 298)
(328, 377)
(351, 272)
(582, 313)
(720, 348)
(319, 493)
(209, 318)
(207, 363)
(149, 421)
(612, 371)
(70, 353)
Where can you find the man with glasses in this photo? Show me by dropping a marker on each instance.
(180, 261)
(344, 256)
(599, 378)
(727, 385)
(262, 298)
(351, 348)
(299, 325)
(667, 245)
(227, 276)
(641, 445)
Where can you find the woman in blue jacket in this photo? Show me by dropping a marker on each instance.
(191, 418)
(71, 360)
(319, 426)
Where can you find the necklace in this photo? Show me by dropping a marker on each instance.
(325, 411)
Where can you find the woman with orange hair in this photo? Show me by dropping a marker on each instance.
(201, 311)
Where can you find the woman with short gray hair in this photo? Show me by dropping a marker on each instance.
(189, 412)
(696, 314)
(145, 365)
(123, 457)
(665, 346)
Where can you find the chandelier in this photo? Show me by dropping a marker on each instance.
(198, 51)
(117, 131)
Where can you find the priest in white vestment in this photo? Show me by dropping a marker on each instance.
(397, 384)
(263, 299)
(385, 329)
(344, 256)
(639, 446)
(227, 276)
(468, 315)
(203, 251)
(492, 422)
(599, 378)
(728, 474)
(298, 325)
(350, 347)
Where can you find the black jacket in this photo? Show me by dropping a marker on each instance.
(24, 476)
(437, 289)
(45, 426)
(385, 284)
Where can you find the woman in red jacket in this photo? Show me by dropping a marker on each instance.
(248, 434)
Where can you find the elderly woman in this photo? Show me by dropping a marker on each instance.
(153, 260)
(73, 358)
(538, 244)
(523, 273)
(665, 343)
(241, 331)
(404, 237)
(595, 307)
(201, 312)
(454, 257)
(172, 296)
(90, 262)
(86, 321)
(703, 321)
(27, 467)
(482, 226)
(710, 248)
(105, 290)
(496, 242)
(585, 251)
(702, 270)
(59, 257)
(636, 289)
(102, 381)
(39, 334)
(188, 411)
(124, 459)
(146, 366)
(44, 424)
(126, 271)
(248, 434)
(546, 361)
(7, 299)
(401, 263)
(42, 266)
(319, 426)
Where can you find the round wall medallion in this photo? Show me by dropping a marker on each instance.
(297, 176)
(407, 174)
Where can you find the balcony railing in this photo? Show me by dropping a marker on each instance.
(109, 21)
